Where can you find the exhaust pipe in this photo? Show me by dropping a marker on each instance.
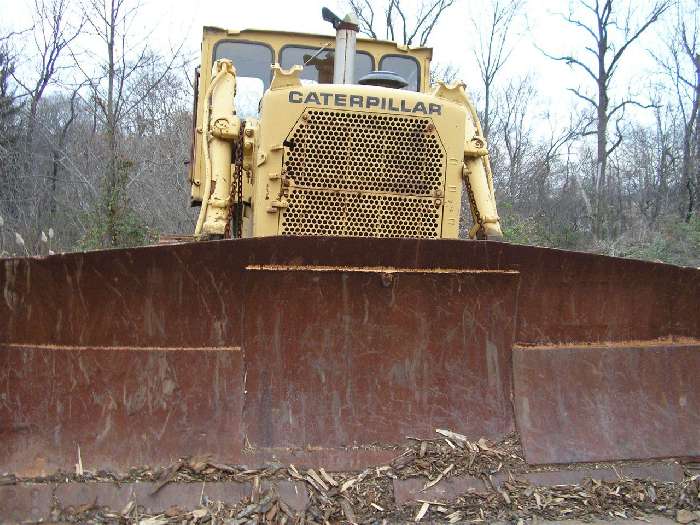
(345, 45)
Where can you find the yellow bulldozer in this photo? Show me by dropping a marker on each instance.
(344, 138)
(328, 328)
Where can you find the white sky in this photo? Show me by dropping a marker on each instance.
(452, 39)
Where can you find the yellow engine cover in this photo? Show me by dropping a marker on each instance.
(357, 161)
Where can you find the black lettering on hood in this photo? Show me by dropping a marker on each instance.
(360, 101)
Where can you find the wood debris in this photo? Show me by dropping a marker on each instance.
(423, 509)
(368, 496)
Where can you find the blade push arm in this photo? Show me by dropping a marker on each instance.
(476, 168)
(478, 179)
(222, 127)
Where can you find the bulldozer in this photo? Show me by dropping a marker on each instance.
(335, 146)
(326, 309)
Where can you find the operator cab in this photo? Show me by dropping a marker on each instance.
(254, 52)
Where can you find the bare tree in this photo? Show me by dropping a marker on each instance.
(58, 150)
(53, 31)
(517, 96)
(399, 24)
(609, 29)
(683, 71)
(116, 96)
(443, 72)
(493, 28)
(9, 134)
(53, 34)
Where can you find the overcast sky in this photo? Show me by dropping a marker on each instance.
(453, 39)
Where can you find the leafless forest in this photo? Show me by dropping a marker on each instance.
(94, 138)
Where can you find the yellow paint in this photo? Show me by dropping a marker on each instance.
(333, 120)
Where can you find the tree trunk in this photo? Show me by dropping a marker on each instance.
(487, 109)
(111, 186)
(601, 189)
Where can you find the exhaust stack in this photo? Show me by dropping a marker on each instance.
(345, 45)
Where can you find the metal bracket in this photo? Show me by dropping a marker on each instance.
(277, 205)
(285, 78)
(475, 148)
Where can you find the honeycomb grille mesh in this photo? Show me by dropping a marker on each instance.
(320, 212)
(363, 174)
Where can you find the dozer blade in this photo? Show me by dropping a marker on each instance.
(326, 351)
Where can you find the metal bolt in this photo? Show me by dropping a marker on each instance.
(387, 279)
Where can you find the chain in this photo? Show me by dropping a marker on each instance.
(237, 161)
(239, 190)
(479, 226)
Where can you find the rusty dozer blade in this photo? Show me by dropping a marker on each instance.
(326, 351)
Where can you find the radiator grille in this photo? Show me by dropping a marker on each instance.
(363, 174)
(319, 212)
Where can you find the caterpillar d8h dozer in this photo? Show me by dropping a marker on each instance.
(340, 314)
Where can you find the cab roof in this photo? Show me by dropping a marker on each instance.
(277, 39)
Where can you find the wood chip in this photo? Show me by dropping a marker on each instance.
(329, 478)
(167, 476)
(380, 509)
(8, 479)
(270, 514)
(421, 512)
(349, 483)
(128, 508)
(155, 520)
(423, 449)
(294, 472)
(453, 435)
(255, 491)
(311, 472)
(505, 495)
(79, 465)
(440, 476)
(313, 483)
(223, 468)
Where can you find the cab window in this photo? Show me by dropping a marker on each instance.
(318, 65)
(253, 73)
(404, 66)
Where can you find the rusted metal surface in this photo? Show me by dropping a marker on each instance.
(604, 403)
(339, 459)
(340, 357)
(330, 350)
(24, 502)
(172, 295)
(115, 408)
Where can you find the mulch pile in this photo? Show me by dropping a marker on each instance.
(367, 497)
